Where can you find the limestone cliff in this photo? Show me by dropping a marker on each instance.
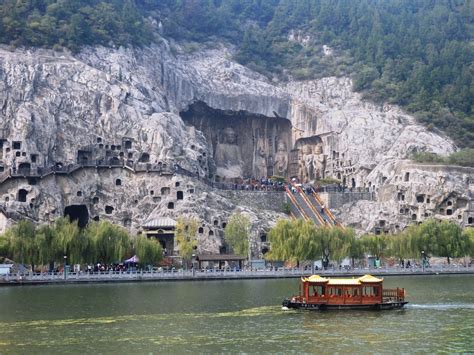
(107, 129)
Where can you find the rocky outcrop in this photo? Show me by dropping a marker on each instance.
(121, 107)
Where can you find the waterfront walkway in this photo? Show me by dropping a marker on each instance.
(199, 275)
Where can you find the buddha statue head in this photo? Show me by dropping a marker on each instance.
(229, 136)
(281, 147)
(318, 149)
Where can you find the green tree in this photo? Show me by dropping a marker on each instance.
(65, 233)
(186, 231)
(237, 233)
(148, 250)
(110, 242)
(356, 248)
(47, 246)
(281, 236)
(22, 243)
(4, 245)
(375, 245)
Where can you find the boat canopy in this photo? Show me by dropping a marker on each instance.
(340, 281)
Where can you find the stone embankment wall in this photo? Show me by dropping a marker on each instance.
(263, 200)
(337, 199)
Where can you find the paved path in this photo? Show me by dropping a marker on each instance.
(189, 275)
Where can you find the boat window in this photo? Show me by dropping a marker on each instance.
(317, 291)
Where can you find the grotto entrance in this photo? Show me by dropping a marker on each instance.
(243, 144)
(77, 213)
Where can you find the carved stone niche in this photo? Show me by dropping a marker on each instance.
(311, 158)
(243, 144)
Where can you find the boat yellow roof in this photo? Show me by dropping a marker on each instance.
(342, 281)
(314, 278)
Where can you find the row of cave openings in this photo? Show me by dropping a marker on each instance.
(80, 212)
(24, 168)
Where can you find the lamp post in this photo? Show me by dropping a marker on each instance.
(65, 267)
(193, 261)
(423, 260)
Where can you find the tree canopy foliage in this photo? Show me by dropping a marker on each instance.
(72, 23)
(414, 53)
(186, 232)
(148, 250)
(301, 240)
(464, 157)
(101, 242)
(237, 233)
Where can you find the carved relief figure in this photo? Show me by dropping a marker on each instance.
(319, 162)
(228, 157)
(306, 166)
(281, 160)
(260, 162)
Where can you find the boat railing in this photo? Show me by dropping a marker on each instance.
(393, 295)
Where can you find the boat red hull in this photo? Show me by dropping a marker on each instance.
(322, 306)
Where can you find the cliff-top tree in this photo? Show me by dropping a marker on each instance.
(237, 232)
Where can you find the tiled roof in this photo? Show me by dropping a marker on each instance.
(159, 222)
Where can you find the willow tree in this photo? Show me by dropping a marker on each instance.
(301, 240)
(186, 232)
(110, 242)
(375, 245)
(279, 238)
(335, 243)
(444, 239)
(293, 241)
(356, 249)
(46, 244)
(4, 245)
(65, 232)
(237, 232)
(148, 250)
(22, 245)
(451, 242)
(469, 235)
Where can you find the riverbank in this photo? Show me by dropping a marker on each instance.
(206, 275)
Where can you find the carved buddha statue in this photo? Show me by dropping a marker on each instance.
(228, 157)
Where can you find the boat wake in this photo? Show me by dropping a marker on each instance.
(441, 306)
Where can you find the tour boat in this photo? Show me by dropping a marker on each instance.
(366, 292)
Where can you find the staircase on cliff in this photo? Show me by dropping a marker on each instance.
(308, 205)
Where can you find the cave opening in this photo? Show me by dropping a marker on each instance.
(22, 193)
(24, 169)
(144, 158)
(242, 144)
(77, 213)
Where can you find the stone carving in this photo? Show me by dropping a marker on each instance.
(260, 162)
(281, 160)
(306, 165)
(319, 162)
(228, 157)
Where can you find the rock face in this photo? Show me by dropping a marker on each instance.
(108, 128)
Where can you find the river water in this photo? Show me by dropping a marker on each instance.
(230, 316)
